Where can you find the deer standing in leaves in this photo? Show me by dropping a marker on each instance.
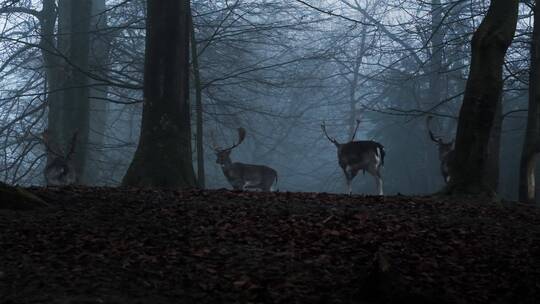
(59, 170)
(353, 156)
(244, 176)
(446, 151)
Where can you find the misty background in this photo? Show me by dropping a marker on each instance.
(277, 68)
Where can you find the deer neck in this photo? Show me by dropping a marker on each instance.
(226, 164)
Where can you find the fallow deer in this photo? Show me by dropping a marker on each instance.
(446, 151)
(59, 170)
(353, 156)
(244, 176)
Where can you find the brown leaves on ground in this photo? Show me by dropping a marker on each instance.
(147, 246)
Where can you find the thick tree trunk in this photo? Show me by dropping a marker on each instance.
(66, 64)
(98, 61)
(494, 146)
(490, 42)
(76, 89)
(163, 156)
(531, 146)
(201, 180)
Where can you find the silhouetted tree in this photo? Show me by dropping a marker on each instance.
(531, 146)
(470, 168)
(163, 156)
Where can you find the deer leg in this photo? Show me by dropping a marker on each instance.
(378, 180)
(350, 173)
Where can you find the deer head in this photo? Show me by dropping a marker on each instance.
(353, 156)
(224, 155)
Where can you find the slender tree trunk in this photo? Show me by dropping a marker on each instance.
(436, 50)
(201, 179)
(163, 156)
(531, 146)
(490, 42)
(53, 64)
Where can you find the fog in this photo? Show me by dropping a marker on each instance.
(278, 69)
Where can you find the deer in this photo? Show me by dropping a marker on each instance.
(59, 170)
(446, 152)
(244, 176)
(353, 156)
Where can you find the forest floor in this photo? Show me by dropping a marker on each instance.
(104, 245)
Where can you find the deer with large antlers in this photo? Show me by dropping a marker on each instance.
(446, 151)
(244, 176)
(353, 156)
(59, 170)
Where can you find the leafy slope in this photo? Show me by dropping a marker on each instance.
(147, 246)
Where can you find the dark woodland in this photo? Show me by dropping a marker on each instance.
(269, 151)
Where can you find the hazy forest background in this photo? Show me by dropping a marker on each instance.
(277, 68)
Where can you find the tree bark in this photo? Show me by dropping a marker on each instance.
(469, 170)
(66, 63)
(98, 61)
(531, 146)
(494, 146)
(201, 180)
(76, 89)
(163, 156)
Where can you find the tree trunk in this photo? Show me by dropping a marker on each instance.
(98, 61)
(201, 180)
(531, 146)
(494, 147)
(76, 90)
(50, 47)
(469, 169)
(66, 64)
(163, 156)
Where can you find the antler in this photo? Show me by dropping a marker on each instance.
(333, 140)
(50, 146)
(433, 138)
(355, 129)
(213, 142)
(72, 145)
(241, 137)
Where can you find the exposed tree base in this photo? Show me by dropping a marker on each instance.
(15, 198)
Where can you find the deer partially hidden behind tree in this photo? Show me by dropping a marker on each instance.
(244, 176)
(59, 170)
(446, 151)
(353, 156)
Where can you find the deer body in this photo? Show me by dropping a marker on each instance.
(365, 155)
(59, 170)
(245, 176)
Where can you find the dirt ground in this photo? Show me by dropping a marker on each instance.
(106, 245)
